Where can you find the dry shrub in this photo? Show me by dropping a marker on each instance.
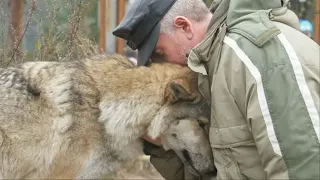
(61, 32)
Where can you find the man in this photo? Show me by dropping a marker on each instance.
(258, 72)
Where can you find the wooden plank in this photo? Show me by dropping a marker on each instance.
(121, 10)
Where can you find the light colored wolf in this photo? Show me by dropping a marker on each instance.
(82, 119)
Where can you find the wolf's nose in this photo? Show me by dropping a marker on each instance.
(212, 172)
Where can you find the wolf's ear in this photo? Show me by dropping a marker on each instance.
(179, 91)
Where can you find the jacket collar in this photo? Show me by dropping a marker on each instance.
(210, 46)
(238, 17)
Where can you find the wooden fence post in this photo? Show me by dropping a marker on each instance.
(102, 30)
(16, 22)
(121, 10)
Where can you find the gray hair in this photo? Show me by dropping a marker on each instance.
(193, 9)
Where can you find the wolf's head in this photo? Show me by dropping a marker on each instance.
(181, 100)
(189, 140)
(181, 124)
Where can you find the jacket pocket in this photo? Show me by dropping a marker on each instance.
(230, 136)
(225, 143)
(231, 167)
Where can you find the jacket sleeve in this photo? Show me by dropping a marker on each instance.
(272, 162)
(167, 163)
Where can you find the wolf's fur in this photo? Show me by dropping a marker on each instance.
(81, 119)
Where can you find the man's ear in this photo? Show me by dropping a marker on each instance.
(179, 91)
(184, 24)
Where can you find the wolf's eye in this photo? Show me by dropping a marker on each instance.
(174, 135)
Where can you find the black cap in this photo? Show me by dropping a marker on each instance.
(140, 26)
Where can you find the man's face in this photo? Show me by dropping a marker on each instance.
(175, 47)
(171, 48)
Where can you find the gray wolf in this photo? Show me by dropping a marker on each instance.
(85, 118)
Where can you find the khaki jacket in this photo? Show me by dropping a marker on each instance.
(261, 77)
